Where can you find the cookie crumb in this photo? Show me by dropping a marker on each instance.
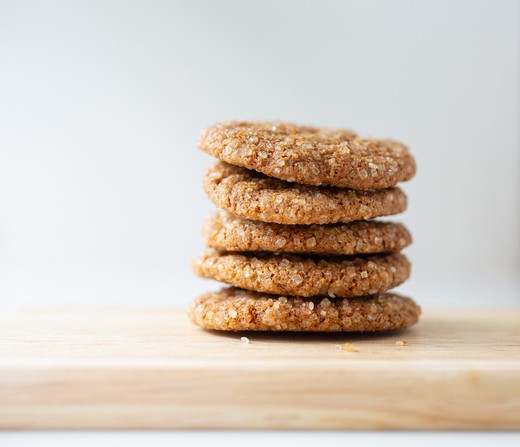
(349, 347)
(244, 340)
(401, 342)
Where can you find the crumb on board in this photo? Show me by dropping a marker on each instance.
(244, 340)
(401, 342)
(349, 347)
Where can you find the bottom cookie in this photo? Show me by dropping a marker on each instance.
(233, 309)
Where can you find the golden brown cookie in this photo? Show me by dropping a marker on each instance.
(310, 155)
(225, 231)
(240, 310)
(255, 196)
(296, 275)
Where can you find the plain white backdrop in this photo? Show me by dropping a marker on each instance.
(101, 105)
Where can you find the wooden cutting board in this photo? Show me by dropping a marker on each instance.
(152, 368)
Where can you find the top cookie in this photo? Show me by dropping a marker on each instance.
(310, 155)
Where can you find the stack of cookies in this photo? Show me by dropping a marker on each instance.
(295, 237)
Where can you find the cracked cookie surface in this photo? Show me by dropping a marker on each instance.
(296, 275)
(255, 196)
(310, 155)
(233, 309)
(225, 231)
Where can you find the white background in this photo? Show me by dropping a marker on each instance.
(102, 102)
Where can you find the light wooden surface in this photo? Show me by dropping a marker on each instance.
(153, 369)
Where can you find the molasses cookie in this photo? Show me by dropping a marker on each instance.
(233, 309)
(310, 155)
(255, 196)
(306, 276)
(225, 231)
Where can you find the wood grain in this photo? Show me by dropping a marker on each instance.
(151, 368)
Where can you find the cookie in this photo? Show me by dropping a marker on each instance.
(228, 232)
(305, 276)
(310, 155)
(255, 196)
(240, 310)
